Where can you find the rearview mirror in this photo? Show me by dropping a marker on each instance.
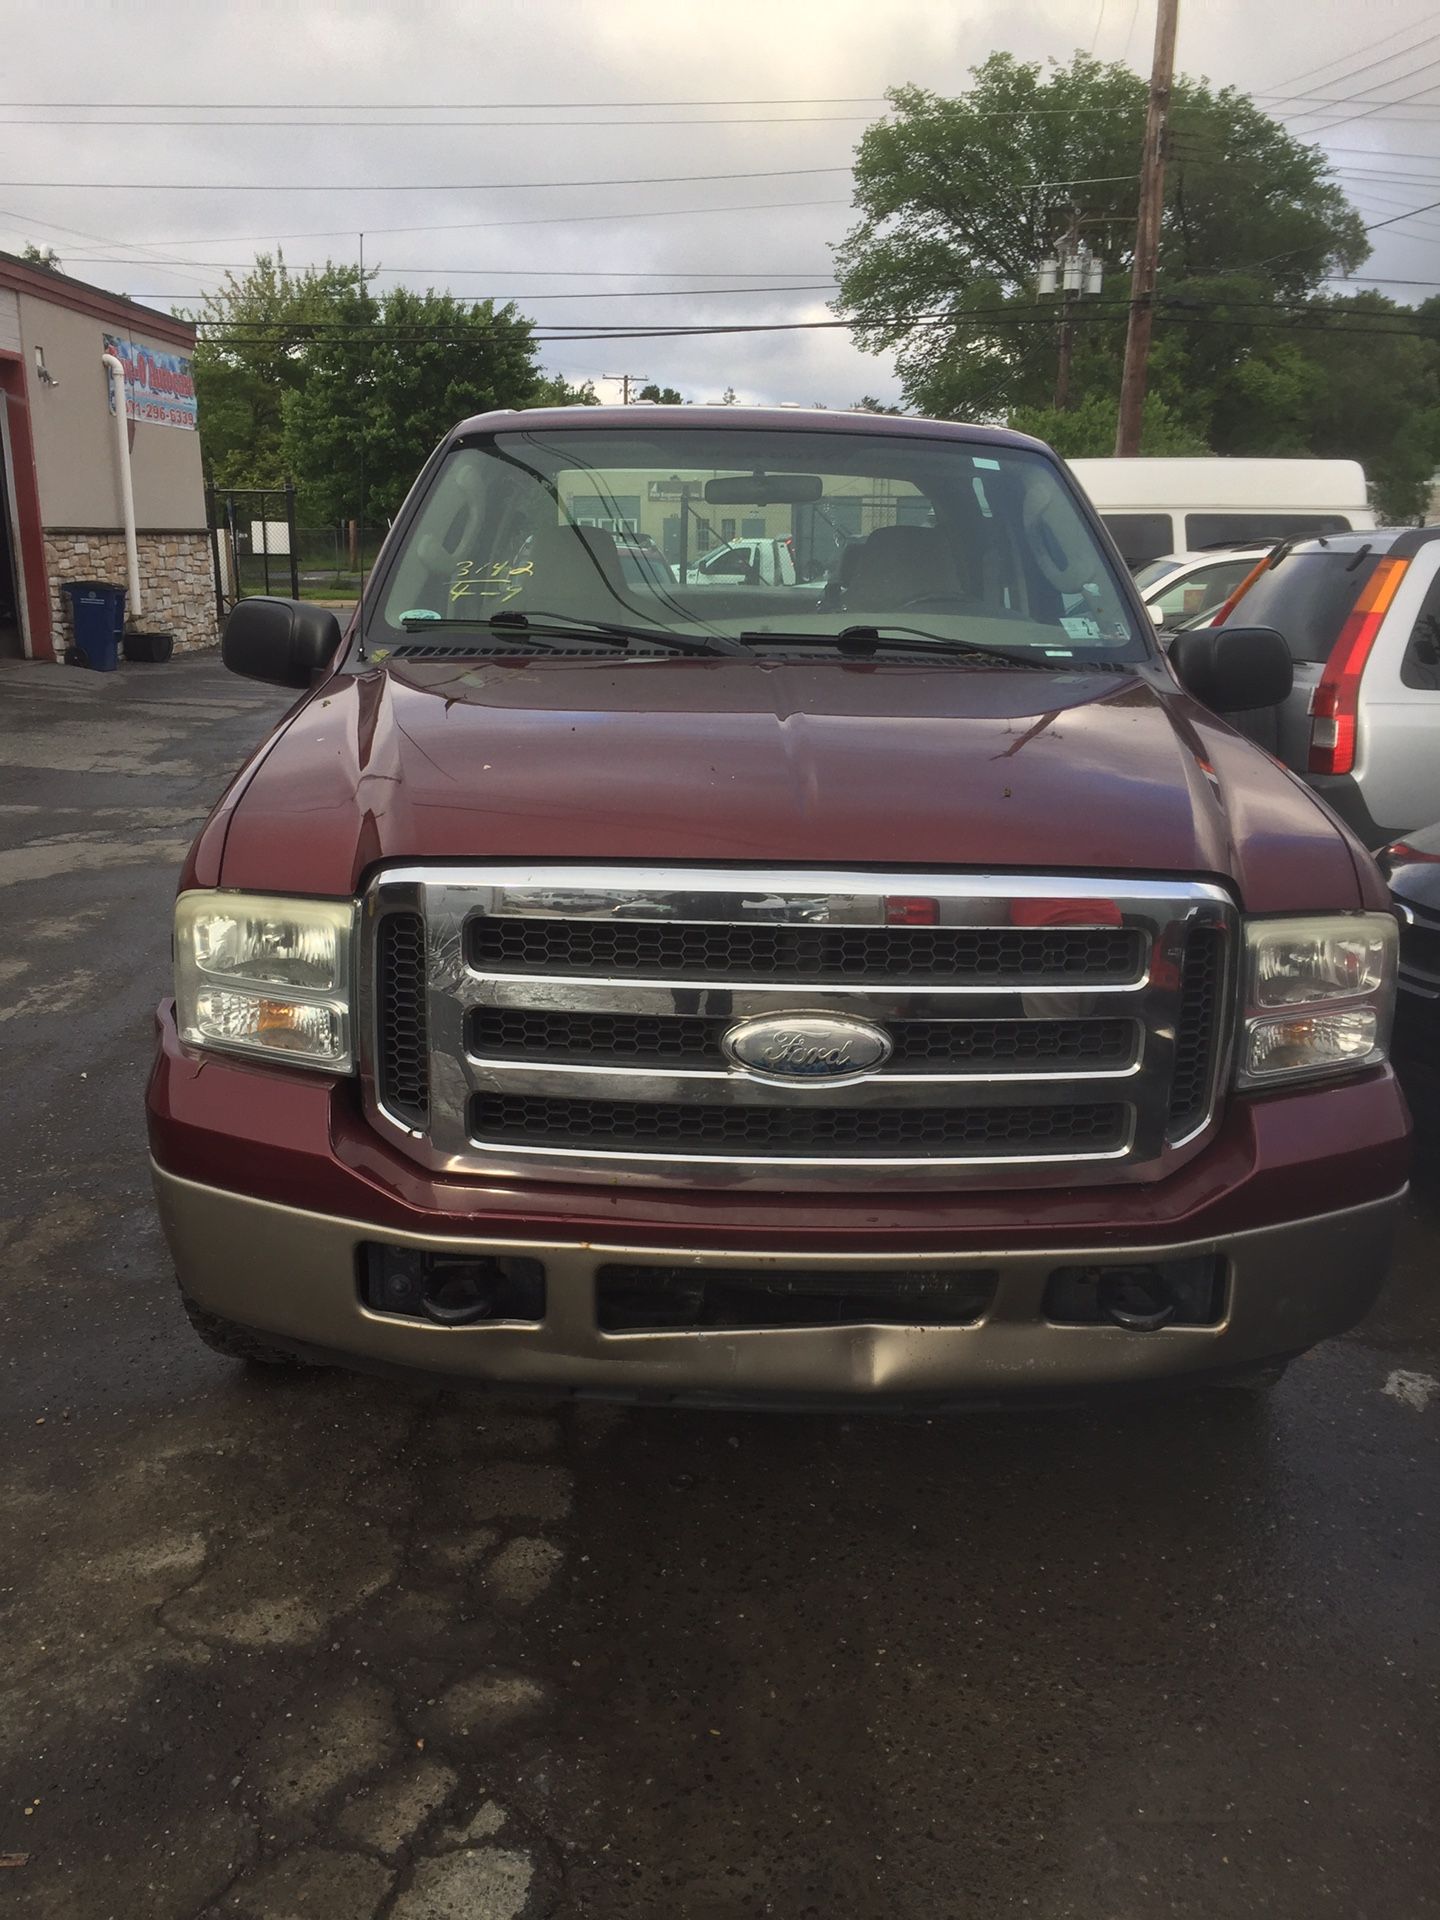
(764, 489)
(1233, 669)
(286, 642)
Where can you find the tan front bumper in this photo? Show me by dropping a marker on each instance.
(293, 1274)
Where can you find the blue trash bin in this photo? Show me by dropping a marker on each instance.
(97, 615)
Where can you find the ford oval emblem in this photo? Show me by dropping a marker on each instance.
(807, 1046)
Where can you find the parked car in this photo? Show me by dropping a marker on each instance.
(1412, 866)
(641, 560)
(762, 999)
(754, 563)
(1181, 587)
(1360, 613)
(1161, 504)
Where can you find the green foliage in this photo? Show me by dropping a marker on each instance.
(383, 386)
(41, 257)
(956, 214)
(1088, 431)
(663, 396)
(961, 199)
(300, 373)
(256, 332)
(555, 390)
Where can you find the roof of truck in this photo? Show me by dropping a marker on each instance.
(721, 419)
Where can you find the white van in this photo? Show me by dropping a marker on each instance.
(1159, 506)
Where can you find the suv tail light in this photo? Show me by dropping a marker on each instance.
(1334, 703)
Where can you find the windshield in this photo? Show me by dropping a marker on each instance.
(698, 533)
(1307, 597)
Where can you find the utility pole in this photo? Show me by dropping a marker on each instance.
(1147, 233)
(627, 380)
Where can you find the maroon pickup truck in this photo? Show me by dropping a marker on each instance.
(892, 982)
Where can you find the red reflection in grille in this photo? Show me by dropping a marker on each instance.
(1065, 913)
(910, 910)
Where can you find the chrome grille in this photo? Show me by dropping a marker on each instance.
(689, 1040)
(883, 955)
(573, 1023)
(402, 1066)
(671, 1127)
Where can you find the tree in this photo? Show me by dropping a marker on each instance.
(1088, 431)
(555, 390)
(255, 335)
(662, 396)
(41, 257)
(867, 403)
(386, 380)
(961, 199)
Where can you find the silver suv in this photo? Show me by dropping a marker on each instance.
(1361, 615)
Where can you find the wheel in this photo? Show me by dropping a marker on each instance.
(235, 1342)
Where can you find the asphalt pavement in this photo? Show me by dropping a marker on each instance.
(317, 1647)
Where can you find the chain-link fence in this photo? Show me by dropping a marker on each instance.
(258, 548)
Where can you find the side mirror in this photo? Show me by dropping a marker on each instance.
(1233, 669)
(284, 641)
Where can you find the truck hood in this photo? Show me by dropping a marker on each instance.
(812, 763)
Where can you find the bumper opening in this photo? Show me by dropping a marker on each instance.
(642, 1299)
(451, 1289)
(1142, 1297)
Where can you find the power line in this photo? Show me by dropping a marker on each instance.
(1380, 106)
(431, 126)
(1291, 313)
(1292, 325)
(487, 226)
(530, 273)
(494, 186)
(438, 106)
(624, 293)
(1352, 73)
(424, 186)
(1385, 153)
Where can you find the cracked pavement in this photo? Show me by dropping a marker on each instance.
(320, 1647)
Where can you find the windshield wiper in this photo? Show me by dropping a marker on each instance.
(512, 623)
(860, 643)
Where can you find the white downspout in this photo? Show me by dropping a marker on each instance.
(115, 369)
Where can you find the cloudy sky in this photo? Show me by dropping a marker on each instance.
(436, 126)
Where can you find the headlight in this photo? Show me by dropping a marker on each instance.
(1319, 993)
(259, 973)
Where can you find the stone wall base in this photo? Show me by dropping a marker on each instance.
(177, 582)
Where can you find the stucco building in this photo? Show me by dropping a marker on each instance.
(62, 494)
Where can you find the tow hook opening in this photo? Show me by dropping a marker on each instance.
(452, 1289)
(1140, 1296)
(1140, 1301)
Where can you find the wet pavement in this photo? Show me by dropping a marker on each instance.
(314, 1647)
